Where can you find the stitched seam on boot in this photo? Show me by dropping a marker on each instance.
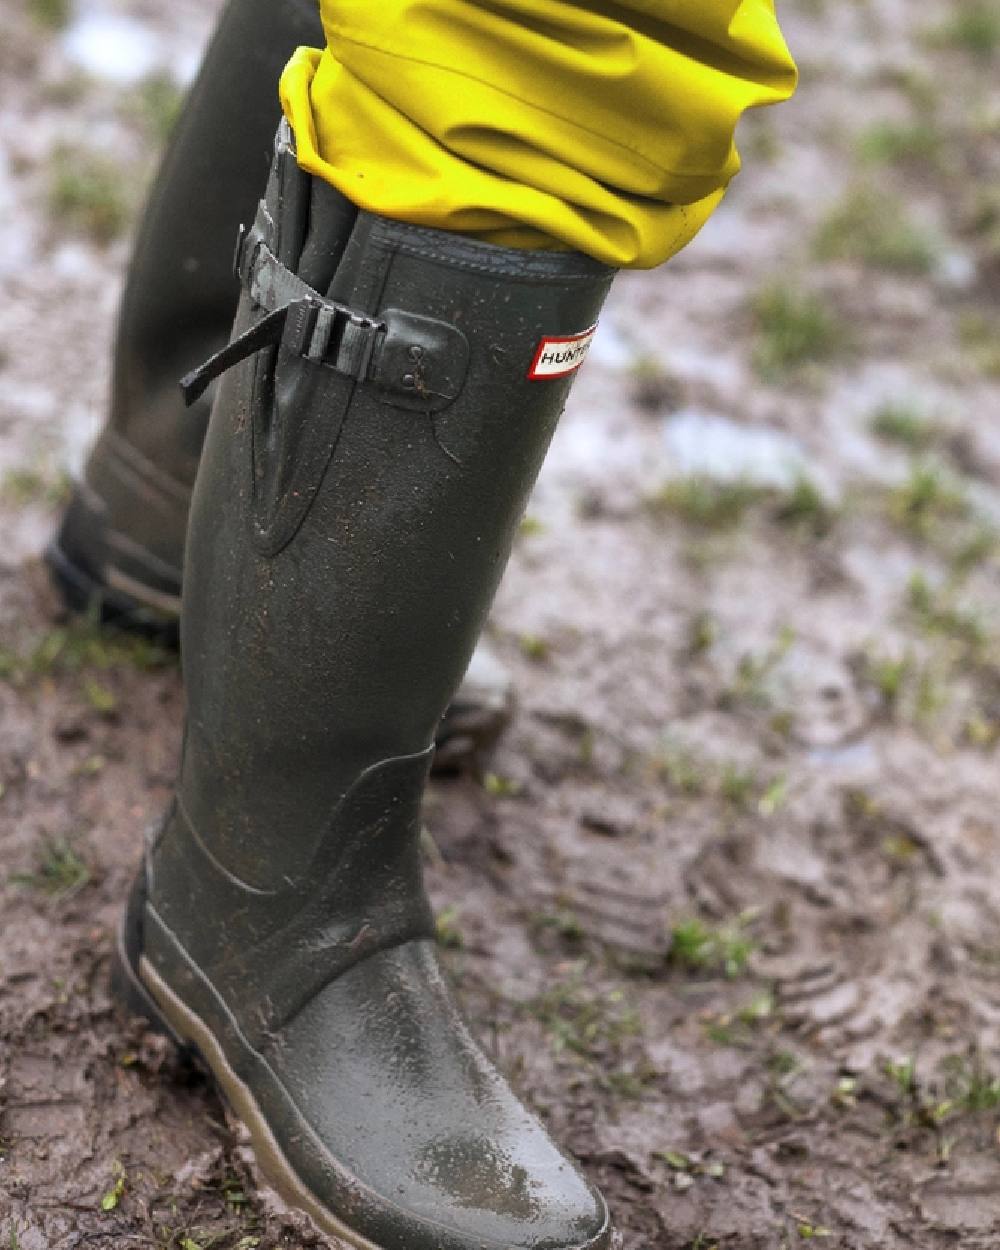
(478, 256)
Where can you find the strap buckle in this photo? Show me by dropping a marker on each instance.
(249, 241)
(331, 334)
(241, 238)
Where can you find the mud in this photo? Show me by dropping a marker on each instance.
(724, 902)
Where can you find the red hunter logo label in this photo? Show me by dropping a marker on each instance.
(557, 356)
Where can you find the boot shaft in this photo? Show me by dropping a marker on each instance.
(122, 539)
(180, 296)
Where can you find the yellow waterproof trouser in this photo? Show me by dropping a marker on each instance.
(605, 126)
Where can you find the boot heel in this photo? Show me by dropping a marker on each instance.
(126, 984)
(77, 561)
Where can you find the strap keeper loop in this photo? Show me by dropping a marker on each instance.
(324, 323)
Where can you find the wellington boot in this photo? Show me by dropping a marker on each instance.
(120, 544)
(369, 455)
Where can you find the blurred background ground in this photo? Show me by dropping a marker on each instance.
(724, 903)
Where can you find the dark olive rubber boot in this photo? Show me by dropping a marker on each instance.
(121, 542)
(369, 456)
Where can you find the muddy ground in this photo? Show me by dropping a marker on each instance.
(724, 903)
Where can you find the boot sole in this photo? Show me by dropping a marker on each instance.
(100, 571)
(83, 593)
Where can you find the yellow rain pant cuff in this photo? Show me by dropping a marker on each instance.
(537, 123)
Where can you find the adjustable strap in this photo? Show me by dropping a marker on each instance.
(266, 333)
(297, 317)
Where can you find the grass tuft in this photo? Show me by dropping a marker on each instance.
(707, 503)
(974, 28)
(22, 487)
(88, 194)
(794, 328)
(534, 647)
(937, 614)
(156, 102)
(698, 947)
(872, 227)
(806, 507)
(449, 934)
(753, 681)
(889, 676)
(78, 648)
(969, 1085)
(929, 497)
(901, 423)
(681, 768)
(52, 14)
(893, 143)
(59, 870)
(979, 335)
(599, 1027)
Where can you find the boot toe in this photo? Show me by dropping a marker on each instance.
(420, 1130)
